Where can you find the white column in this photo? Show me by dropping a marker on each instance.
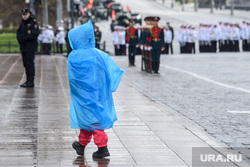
(59, 12)
(45, 13)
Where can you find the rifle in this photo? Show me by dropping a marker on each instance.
(150, 61)
(142, 59)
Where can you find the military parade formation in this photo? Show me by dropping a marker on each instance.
(149, 39)
(153, 40)
(225, 37)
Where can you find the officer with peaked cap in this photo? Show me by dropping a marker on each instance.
(145, 42)
(131, 41)
(157, 43)
(27, 34)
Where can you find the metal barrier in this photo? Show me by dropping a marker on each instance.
(14, 48)
(9, 48)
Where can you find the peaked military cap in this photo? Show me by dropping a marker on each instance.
(25, 11)
(156, 18)
(147, 18)
(131, 20)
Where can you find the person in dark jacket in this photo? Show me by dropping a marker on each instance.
(69, 49)
(98, 37)
(157, 44)
(131, 41)
(27, 34)
(172, 31)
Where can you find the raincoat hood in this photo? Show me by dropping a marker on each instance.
(82, 37)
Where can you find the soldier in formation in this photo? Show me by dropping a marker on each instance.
(172, 32)
(46, 37)
(144, 44)
(98, 36)
(167, 39)
(212, 38)
(131, 42)
(122, 41)
(118, 39)
(152, 44)
(157, 43)
(60, 38)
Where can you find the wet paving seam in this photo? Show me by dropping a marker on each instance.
(11, 69)
(19, 131)
(54, 131)
(5, 59)
(38, 136)
(124, 145)
(60, 79)
(159, 137)
(166, 144)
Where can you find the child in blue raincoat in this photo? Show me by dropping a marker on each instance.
(93, 76)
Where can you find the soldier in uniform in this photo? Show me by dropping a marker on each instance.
(27, 34)
(98, 36)
(157, 43)
(243, 33)
(138, 50)
(172, 32)
(60, 38)
(167, 39)
(181, 35)
(131, 41)
(145, 43)
(193, 38)
(226, 36)
(115, 40)
(122, 41)
(214, 38)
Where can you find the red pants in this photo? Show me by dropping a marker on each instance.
(100, 137)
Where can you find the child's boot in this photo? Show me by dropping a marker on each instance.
(101, 152)
(78, 147)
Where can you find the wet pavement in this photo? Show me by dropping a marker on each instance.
(35, 123)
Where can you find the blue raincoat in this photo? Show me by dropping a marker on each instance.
(93, 76)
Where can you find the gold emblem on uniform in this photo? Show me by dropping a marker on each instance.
(29, 32)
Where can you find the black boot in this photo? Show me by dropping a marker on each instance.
(29, 83)
(101, 152)
(25, 81)
(157, 67)
(153, 66)
(78, 147)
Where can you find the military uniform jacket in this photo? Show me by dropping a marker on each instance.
(145, 35)
(131, 36)
(98, 36)
(157, 37)
(27, 34)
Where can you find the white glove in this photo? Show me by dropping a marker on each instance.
(149, 48)
(127, 45)
(141, 47)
